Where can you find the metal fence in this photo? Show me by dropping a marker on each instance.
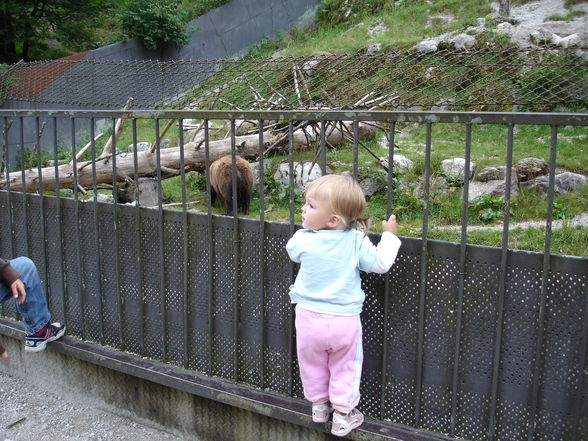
(465, 341)
(485, 77)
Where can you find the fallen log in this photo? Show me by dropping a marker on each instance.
(194, 159)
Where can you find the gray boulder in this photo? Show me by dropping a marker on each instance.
(491, 174)
(568, 181)
(563, 183)
(529, 168)
(454, 169)
(304, 174)
(402, 164)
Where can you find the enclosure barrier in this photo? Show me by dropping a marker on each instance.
(460, 341)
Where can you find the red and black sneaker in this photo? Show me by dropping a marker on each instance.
(50, 332)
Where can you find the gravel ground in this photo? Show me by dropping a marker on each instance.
(28, 412)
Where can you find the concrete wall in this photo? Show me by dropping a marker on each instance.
(226, 31)
(191, 416)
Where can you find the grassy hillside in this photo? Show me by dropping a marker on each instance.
(345, 27)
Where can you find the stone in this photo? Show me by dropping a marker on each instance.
(377, 30)
(373, 48)
(541, 37)
(569, 181)
(426, 46)
(566, 42)
(255, 170)
(453, 169)
(495, 188)
(491, 174)
(372, 184)
(402, 164)
(563, 183)
(463, 41)
(530, 168)
(304, 174)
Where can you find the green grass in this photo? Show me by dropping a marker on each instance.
(568, 17)
(350, 37)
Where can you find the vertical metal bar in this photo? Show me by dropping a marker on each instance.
(356, 149)
(291, 229)
(235, 250)
(186, 315)
(323, 139)
(261, 252)
(42, 209)
(577, 402)
(211, 254)
(501, 289)
(75, 185)
(461, 280)
(423, 279)
(161, 244)
(384, 360)
(138, 232)
(97, 244)
(116, 248)
(24, 191)
(8, 201)
(538, 365)
(59, 222)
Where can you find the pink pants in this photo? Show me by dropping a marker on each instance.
(330, 356)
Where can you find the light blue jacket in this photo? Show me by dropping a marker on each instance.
(330, 260)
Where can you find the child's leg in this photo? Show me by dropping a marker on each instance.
(345, 363)
(34, 310)
(312, 355)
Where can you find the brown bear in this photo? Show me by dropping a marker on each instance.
(221, 183)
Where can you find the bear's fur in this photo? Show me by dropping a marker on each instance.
(221, 183)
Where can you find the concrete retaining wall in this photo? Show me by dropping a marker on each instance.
(192, 416)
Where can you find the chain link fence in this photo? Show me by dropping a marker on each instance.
(480, 79)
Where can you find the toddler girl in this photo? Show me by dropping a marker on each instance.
(329, 298)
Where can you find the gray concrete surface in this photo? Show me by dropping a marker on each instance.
(67, 399)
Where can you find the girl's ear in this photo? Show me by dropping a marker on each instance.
(335, 222)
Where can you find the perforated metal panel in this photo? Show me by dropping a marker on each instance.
(212, 296)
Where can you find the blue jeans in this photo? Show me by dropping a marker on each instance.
(33, 310)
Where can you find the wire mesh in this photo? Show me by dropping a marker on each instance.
(490, 79)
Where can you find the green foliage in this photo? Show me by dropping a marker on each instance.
(489, 209)
(196, 8)
(155, 23)
(29, 25)
(334, 12)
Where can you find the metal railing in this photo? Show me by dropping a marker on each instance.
(474, 342)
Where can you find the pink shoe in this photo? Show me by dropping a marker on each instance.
(343, 424)
(321, 412)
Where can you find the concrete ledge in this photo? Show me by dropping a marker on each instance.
(195, 405)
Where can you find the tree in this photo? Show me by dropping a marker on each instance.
(504, 8)
(27, 27)
(155, 22)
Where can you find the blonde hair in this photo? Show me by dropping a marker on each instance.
(345, 197)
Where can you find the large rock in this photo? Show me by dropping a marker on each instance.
(462, 41)
(563, 183)
(491, 174)
(426, 46)
(402, 164)
(454, 169)
(495, 188)
(568, 181)
(304, 174)
(530, 168)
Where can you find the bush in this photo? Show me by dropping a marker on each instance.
(155, 23)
